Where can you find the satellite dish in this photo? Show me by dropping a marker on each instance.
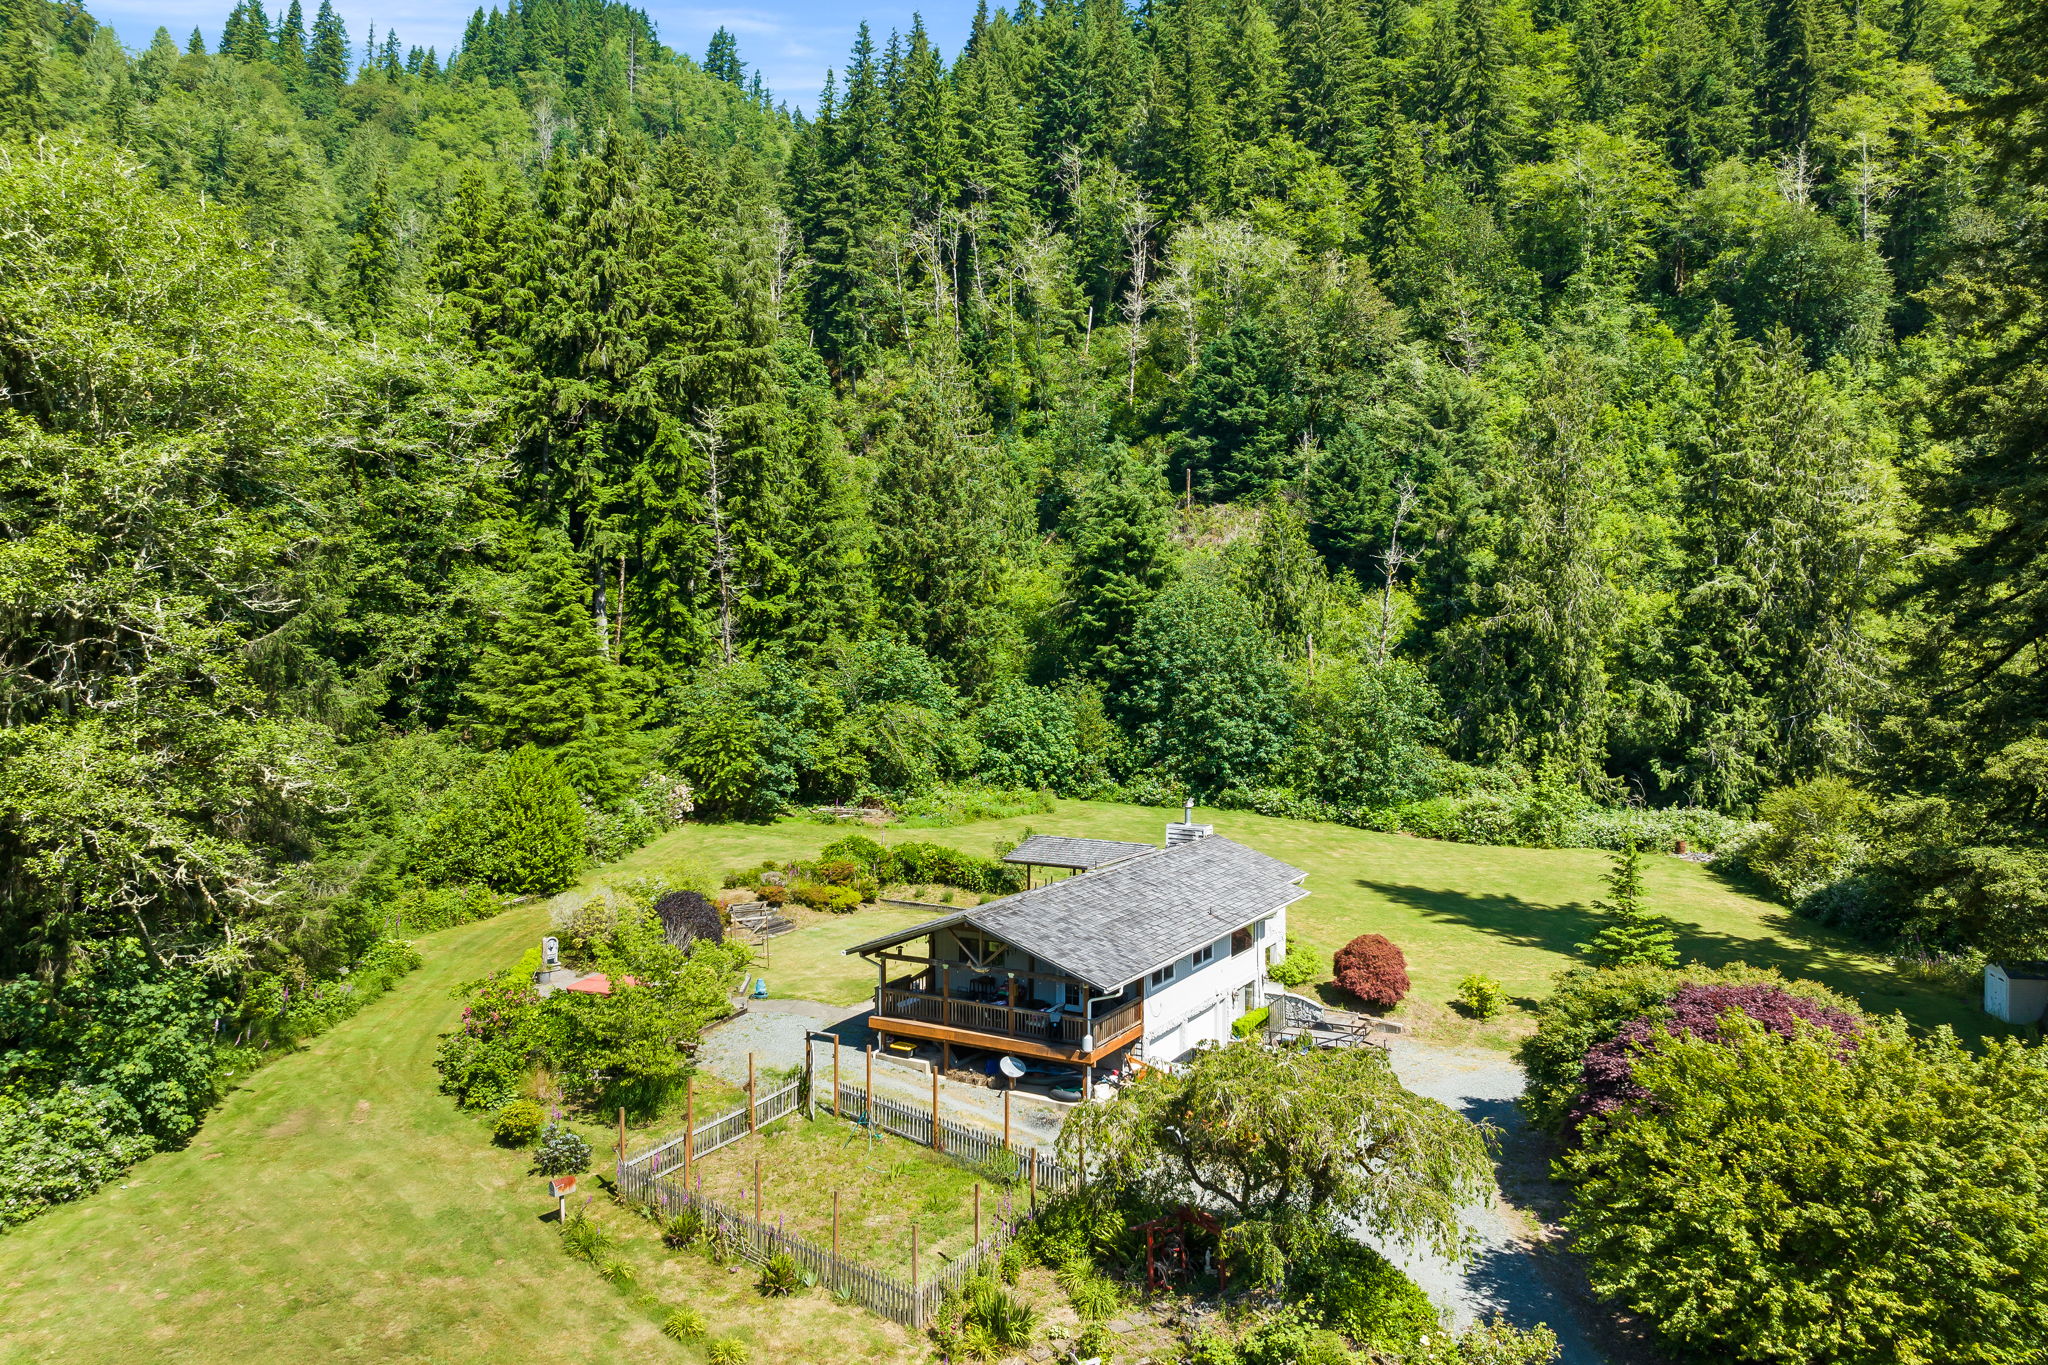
(1011, 1067)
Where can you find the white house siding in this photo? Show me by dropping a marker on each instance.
(1199, 1005)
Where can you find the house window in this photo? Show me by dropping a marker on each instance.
(1073, 994)
(1204, 955)
(1163, 975)
(1240, 942)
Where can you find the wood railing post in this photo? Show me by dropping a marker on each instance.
(938, 1138)
(689, 1128)
(867, 1103)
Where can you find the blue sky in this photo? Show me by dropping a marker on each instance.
(792, 43)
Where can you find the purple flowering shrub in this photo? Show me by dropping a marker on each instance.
(1607, 1080)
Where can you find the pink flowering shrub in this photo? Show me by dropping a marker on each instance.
(1607, 1080)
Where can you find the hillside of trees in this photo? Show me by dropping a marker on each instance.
(1498, 419)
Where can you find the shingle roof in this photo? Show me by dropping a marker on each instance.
(1113, 925)
(1062, 850)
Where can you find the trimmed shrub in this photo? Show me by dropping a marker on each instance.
(562, 1151)
(1247, 1024)
(519, 1124)
(687, 916)
(1608, 1074)
(1299, 967)
(1481, 996)
(1373, 969)
(727, 1351)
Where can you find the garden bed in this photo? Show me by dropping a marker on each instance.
(886, 1186)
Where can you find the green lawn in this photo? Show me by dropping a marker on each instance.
(1510, 913)
(337, 1207)
(886, 1186)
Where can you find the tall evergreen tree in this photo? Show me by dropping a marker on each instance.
(1117, 531)
(327, 59)
(1632, 936)
(370, 273)
(24, 100)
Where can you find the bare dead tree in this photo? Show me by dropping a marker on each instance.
(707, 432)
(1391, 559)
(1137, 232)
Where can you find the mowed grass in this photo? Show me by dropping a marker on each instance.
(1515, 914)
(886, 1186)
(337, 1207)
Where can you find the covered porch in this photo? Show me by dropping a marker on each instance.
(969, 990)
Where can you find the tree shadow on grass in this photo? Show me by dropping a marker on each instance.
(1794, 949)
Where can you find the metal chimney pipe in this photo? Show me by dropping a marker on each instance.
(1187, 811)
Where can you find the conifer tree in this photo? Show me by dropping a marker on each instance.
(1118, 533)
(536, 824)
(370, 273)
(195, 46)
(247, 33)
(722, 57)
(328, 57)
(24, 100)
(288, 48)
(1632, 937)
(545, 678)
(931, 159)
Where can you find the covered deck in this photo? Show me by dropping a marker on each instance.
(984, 994)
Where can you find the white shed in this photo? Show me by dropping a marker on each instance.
(2016, 992)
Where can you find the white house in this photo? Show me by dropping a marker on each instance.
(1142, 953)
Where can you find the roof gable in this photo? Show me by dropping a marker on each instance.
(1113, 925)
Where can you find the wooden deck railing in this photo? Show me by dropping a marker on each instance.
(896, 1001)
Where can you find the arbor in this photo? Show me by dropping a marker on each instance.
(1766, 1181)
(1293, 1142)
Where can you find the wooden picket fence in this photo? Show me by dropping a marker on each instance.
(911, 1304)
(721, 1131)
(651, 1180)
(970, 1146)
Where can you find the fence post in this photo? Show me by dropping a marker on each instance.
(835, 1078)
(835, 1237)
(757, 1189)
(1006, 1119)
(1033, 1180)
(689, 1128)
(622, 1138)
(938, 1137)
(751, 1126)
(913, 1260)
(867, 1102)
(977, 1213)
(809, 1070)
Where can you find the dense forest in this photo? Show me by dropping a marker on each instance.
(1550, 421)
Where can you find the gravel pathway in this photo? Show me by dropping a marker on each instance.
(1514, 1272)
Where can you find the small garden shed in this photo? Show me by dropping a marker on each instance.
(2016, 992)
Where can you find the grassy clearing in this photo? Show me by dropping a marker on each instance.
(886, 1186)
(1515, 914)
(337, 1207)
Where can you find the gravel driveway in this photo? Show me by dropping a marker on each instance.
(1513, 1273)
